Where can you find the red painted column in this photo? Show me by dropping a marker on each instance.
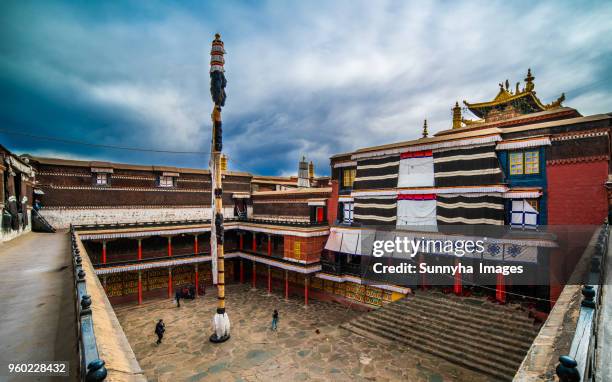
(195, 244)
(269, 280)
(197, 281)
(254, 246)
(286, 285)
(500, 290)
(254, 278)
(169, 246)
(306, 290)
(458, 287)
(241, 237)
(104, 252)
(139, 287)
(139, 249)
(169, 282)
(269, 245)
(241, 270)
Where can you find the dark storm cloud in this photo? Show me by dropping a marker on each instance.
(304, 78)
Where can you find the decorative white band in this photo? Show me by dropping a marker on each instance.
(429, 146)
(345, 164)
(468, 172)
(523, 143)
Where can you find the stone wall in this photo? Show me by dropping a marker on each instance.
(63, 217)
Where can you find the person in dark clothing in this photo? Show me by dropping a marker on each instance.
(160, 328)
(275, 320)
(177, 296)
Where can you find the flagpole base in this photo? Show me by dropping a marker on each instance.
(217, 340)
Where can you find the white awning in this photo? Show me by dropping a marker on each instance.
(523, 143)
(241, 195)
(345, 241)
(334, 241)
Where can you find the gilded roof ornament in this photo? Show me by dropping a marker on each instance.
(425, 133)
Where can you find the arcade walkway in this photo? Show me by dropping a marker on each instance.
(36, 301)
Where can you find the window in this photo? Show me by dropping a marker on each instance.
(525, 162)
(524, 213)
(166, 181)
(319, 213)
(101, 179)
(347, 215)
(348, 177)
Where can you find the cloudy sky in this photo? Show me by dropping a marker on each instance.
(304, 78)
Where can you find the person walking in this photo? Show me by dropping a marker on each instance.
(177, 296)
(275, 320)
(160, 328)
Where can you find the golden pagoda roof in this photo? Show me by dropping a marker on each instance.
(525, 100)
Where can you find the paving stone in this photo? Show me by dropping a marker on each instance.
(254, 353)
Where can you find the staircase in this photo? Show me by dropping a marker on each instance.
(40, 224)
(469, 332)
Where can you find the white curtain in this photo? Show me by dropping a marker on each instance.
(416, 172)
(350, 243)
(416, 213)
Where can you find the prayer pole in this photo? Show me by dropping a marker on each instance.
(221, 321)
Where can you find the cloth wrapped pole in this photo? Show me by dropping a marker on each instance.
(221, 321)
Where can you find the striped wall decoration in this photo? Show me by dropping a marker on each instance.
(462, 167)
(377, 173)
(375, 211)
(461, 209)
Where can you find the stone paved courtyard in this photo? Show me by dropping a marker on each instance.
(254, 353)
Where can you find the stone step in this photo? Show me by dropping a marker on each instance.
(477, 348)
(491, 326)
(481, 365)
(476, 305)
(508, 343)
(488, 310)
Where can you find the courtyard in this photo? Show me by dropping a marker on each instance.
(308, 346)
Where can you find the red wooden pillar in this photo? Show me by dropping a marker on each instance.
(269, 280)
(169, 246)
(458, 287)
(254, 246)
(139, 249)
(241, 238)
(254, 278)
(306, 290)
(286, 285)
(104, 252)
(195, 244)
(269, 245)
(241, 270)
(197, 281)
(500, 290)
(139, 287)
(169, 282)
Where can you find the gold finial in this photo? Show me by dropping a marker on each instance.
(529, 81)
(456, 116)
(425, 134)
(311, 170)
(217, 36)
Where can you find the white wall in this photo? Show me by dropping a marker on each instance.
(62, 218)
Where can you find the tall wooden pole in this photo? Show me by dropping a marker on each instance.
(217, 89)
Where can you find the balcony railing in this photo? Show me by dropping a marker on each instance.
(92, 367)
(579, 364)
